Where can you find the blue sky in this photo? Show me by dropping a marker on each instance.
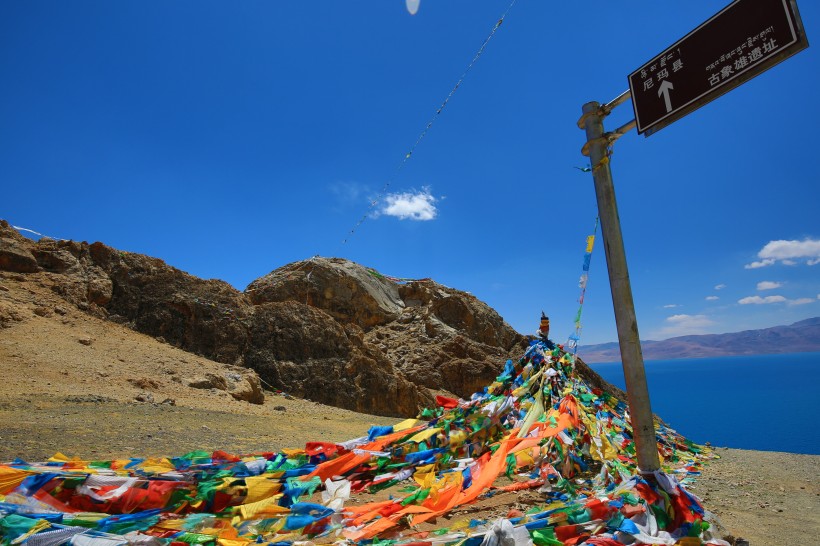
(231, 138)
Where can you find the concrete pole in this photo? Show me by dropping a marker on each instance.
(637, 392)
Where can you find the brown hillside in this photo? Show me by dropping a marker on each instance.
(325, 329)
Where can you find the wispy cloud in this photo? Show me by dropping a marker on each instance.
(671, 306)
(757, 300)
(349, 193)
(720, 286)
(787, 252)
(418, 205)
(768, 285)
(802, 301)
(712, 298)
(682, 325)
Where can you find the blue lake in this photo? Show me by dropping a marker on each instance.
(762, 402)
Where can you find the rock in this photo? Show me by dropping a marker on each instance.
(382, 322)
(210, 381)
(85, 341)
(203, 317)
(57, 256)
(169, 402)
(145, 397)
(43, 311)
(245, 387)
(346, 290)
(280, 408)
(14, 254)
(305, 351)
(100, 287)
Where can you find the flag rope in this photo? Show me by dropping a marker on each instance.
(430, 123)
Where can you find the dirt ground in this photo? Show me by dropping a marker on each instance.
(70, 384)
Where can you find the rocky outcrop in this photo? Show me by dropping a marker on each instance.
(15, 255)
(326, 329)
(347, 291)
(435, 337)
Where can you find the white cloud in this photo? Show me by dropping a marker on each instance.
(712, 298)
(801, 301)
(418, 205)
(681, 325)
(758, 265)
(720, 287)
(768, 285)
(781, 250)
(673, 305)
(757, 300)
(787, 252)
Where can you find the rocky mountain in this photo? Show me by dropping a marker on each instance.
(325, 329)
(800, 337)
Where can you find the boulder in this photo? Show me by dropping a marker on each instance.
(244, 385)
(347, 291)
(210, 381)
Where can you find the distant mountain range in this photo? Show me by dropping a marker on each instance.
(800, 337)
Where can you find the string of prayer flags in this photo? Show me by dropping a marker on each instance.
(575, 337)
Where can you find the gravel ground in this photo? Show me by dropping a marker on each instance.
(767, 497)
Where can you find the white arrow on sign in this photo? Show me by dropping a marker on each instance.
(664, 89)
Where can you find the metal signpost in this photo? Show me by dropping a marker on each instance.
(640, 411)
(744, 39)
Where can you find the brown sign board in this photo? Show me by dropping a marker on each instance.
(744, 39)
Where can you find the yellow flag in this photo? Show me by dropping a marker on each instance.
(425, 476)
(424, 434)
(265, 506)
(404, 425)
(260, 487)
